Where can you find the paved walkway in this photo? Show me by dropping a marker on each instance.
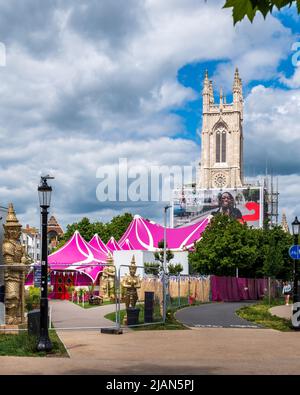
(219, 315)
(65, 314)
(282, 311)
(197, 351)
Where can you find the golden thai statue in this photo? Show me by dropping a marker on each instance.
(107, 287)
(16, 262)
(131, 283)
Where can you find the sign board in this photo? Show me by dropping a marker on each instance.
(294, 252)
(37, 276)
(193, 204)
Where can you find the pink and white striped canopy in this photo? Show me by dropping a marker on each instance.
(145, 235)
(126, 245)
(97, 243)
(113, 245)
(78, 255)
(90, 258)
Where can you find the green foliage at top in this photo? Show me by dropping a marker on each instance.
(32, 298)
(152, 268)
(159, 255)
(227, 244)
(249, 8)
(175, 269)
(116, 228)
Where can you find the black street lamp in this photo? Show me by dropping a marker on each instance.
(44, 190)
(296, 231)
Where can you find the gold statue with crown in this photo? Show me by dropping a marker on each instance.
(16, 262)
(107, 282)
(131, 283)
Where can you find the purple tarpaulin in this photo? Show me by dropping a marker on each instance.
(225, 289)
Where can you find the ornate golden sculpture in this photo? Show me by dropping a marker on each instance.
(131, 283)
(107, 287)
(16, 262)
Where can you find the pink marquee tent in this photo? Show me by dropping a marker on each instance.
(98, 244)
(145, 235)
(90, 258)
(126, 245)
(77, 255)
(112, 245)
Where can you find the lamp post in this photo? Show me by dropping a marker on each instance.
(296, 231)
(165, 262)
(44, 190)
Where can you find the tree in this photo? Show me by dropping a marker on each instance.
(159, 255)
(277, 262)
(249, 8)
(152, 268)
(175, 269)
(228, 244)
(116, 228)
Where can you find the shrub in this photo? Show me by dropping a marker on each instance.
(33, 297)
(152, 268)
(175, 269)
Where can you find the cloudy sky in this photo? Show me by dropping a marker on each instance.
(88, 82)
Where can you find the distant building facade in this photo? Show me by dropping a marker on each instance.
(31, 240)
(222, 138)
(54, 231)
(220, 186)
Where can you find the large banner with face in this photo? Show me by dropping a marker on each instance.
(243, 204)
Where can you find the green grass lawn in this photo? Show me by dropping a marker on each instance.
(259, 314)
(23, 345)
(171, 322)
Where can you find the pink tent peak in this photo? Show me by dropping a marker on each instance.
(98, 244)
(78, 255)
(126, 245)
(145, 235)
(112, 245)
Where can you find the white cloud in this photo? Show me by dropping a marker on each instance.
(77, 94)
(294, 81)
(273, 114)
(289, 188)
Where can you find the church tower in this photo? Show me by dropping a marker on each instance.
(222, 138)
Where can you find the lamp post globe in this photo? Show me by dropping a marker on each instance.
(296, 227)
(44, 191)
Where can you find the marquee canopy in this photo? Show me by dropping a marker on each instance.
(97, 243)
(113, 245)
(126, 245)
(145, 235)
(78, 255)
(90, 258)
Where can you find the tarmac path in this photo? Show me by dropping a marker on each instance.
(200, 351)
(65, 314)
(215, 315)
(197, 351)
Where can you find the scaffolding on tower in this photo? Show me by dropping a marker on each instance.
(271, 200)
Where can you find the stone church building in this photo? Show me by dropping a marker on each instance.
(221, 163)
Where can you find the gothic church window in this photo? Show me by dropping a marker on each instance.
(221, 146)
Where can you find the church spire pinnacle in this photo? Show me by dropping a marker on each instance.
(206, 93)
(284, 223)
(211, 92)
(237, 89)
(206, 83)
